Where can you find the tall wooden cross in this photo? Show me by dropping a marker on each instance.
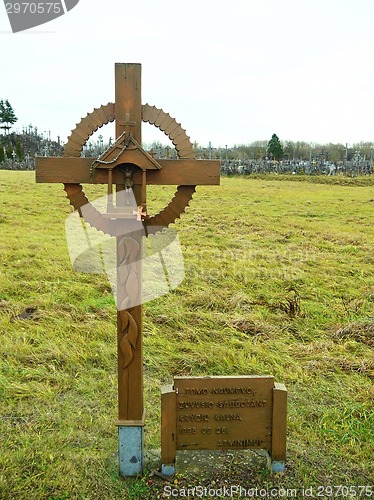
(126, 168)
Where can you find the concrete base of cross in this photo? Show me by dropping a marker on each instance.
(130, 450)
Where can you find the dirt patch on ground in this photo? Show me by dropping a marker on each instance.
(361, 332)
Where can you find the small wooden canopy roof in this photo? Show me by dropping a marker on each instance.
(126, 150)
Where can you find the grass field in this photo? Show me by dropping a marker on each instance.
(279, 280)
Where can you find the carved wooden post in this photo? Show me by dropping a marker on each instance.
(129, 279)
(126, 165)
(130, 360)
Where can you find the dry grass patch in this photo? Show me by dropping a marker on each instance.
(279, 280)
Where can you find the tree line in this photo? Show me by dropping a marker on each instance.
(274, 149)
(18, 150)
(8, 147)
(21, 148)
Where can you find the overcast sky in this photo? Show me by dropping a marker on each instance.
(231, 72)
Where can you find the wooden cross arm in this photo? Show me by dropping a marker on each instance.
(72, 170)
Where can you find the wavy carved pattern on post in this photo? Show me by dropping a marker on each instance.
(127, 344)
(128, 290)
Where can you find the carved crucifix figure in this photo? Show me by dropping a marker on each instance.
(126, 167)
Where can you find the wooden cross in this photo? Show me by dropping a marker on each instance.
(126, 165)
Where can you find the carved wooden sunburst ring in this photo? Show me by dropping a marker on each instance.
(150, 114)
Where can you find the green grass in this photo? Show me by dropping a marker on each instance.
(279, 280)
